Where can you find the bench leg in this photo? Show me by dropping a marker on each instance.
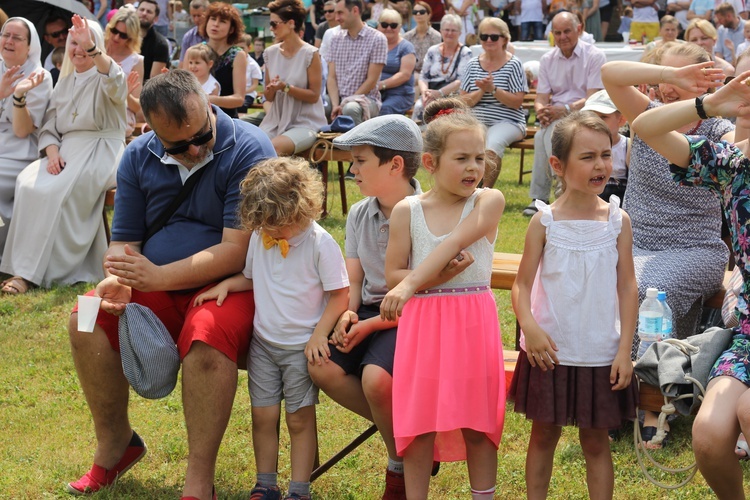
(324, 175)
(520, 168)
(343, 453)
(342, 187)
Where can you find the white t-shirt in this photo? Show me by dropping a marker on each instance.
(253, 71)
(291, 293)
(210, 85)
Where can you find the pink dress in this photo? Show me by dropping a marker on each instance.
(448, 369)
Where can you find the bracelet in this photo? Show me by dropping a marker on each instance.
(661, 75)
(21, 100)
(16, 105)
(382, 87)
(567, 108)
(442, 94)
(94, 54)
(699, 107)
(92, 49)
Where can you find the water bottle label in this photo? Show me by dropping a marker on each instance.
(650, 325)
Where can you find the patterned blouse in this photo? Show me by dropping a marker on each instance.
(421, 44)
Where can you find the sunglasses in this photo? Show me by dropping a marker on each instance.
(197, 141)
(328, 11)
(492, 37)
(418, 12)
(393, 26)
(58, 34)
(121, 34)
(273, 24)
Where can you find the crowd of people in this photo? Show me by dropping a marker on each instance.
(214, 217)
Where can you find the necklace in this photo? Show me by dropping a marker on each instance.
(81, 93)
(693, 130)
(444, 69)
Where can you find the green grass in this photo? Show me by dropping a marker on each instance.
(47, 435)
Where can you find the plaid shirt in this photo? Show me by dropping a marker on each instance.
(351, 58)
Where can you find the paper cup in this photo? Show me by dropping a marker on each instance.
(626, 36)
(88, 309)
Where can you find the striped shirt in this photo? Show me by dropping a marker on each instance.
(510, 77)
(351, 58)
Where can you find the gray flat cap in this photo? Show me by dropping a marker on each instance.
(149, 356)
(395, 132)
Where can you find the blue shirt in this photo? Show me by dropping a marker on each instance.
(393, 65)
(146, 186)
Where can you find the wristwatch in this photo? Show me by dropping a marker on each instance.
(286, 88)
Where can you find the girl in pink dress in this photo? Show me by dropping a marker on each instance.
(576, 299)
(448, 376)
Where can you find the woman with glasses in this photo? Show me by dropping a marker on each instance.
(397, 78)
(25, 89)
(57, 233)
(122, 38)
(223, 28)
(444, 66)
(494, 85)
(424, 35)
(294, 77)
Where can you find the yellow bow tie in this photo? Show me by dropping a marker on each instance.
(269, 241)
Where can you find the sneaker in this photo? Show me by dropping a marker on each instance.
(265, 493)
(297, 496)
(531, 209)
(395, 489)
(98, 477)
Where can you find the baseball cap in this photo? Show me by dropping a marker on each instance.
(600, 102)
(394, 132)
(149, 356)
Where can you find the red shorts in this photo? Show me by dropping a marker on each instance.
(227, 328)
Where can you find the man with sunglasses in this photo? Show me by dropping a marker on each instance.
(197, 246)
(330, 21)
(55, 34)
(568, 75)
(355, 60)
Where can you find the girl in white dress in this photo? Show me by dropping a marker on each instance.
(57, 233)
(576, 299)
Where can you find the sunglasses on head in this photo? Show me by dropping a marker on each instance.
(418, 12)
(493, 37)
(58, 34)
(393, 26)
(197, 141)
(121, 34)
(328, 11)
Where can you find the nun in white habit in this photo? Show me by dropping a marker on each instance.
(25, 90)
(57, 232)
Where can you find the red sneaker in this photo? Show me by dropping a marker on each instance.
(395, 489)
(98, 477)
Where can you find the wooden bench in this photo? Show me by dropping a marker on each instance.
(323, 152)
(524, 144)
(504, 270)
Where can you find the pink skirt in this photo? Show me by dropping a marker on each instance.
(448, 372)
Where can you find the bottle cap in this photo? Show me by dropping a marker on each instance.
(662, 295)
(651, 292)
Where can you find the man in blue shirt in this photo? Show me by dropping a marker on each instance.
(199, 245)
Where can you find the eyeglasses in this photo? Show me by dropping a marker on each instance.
(418, 12)
(273, 24)
(329, 11)
(197, 141)
(116, 32)
(393, 26)
(58, 34)
(15, 38)
(494, 37)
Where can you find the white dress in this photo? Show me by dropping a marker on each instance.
(57, 232)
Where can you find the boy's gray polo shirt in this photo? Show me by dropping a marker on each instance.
(367, 232)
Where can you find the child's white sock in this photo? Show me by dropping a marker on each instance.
(482, 495)
(267, 479)
(301, 489)
(394, 466)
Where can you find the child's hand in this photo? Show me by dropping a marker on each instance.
(456, 266)
(317, 350)
(540, 349)
(217, 293)
(622, 371)
(339, 331)
(394, 301)
(357, 332)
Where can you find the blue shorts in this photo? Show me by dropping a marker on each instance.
(377, 349)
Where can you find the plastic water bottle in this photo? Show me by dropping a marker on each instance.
(666, 322)
(650, 317)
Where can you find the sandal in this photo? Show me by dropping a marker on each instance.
(648, 433)
(15, 286)
(742, 450)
